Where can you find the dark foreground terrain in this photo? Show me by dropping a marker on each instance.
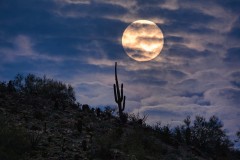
(40, 119)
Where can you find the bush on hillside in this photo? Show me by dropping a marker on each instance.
(42, 87)
(14, 142)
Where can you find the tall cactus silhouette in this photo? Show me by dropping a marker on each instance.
(119, 98)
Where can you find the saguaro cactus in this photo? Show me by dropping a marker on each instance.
(119, 98)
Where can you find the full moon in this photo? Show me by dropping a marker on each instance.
(142, 40)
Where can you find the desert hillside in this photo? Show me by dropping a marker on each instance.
(40, 119)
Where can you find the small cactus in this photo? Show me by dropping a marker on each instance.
(98, 112)
(35, 138)
(85, 108)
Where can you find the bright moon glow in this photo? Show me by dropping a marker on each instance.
(142, 40)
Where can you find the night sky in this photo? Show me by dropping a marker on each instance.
(78, 42)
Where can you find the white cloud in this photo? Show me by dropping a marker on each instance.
(224, 19)
(74, 1)
(131, 5)
(130, 16)
(170, 4)
(23, 47)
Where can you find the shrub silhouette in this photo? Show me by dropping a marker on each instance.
(42, 87)
(35, 138)
(208, 136)
(137, 119)
(187, 134)
(13, 142)
(238, 135)
(178, 134)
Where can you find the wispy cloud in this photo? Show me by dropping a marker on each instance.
(23, 47)
(170, 4)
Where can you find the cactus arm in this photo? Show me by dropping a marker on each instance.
(115, 92)
(124, 103)
(121, 95)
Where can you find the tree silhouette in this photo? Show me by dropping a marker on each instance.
(238, 135)
(187, 122)
(42, 87)
(209, 135)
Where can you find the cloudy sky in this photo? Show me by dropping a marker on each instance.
(78, 41)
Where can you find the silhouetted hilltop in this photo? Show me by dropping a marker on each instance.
(40, 119)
